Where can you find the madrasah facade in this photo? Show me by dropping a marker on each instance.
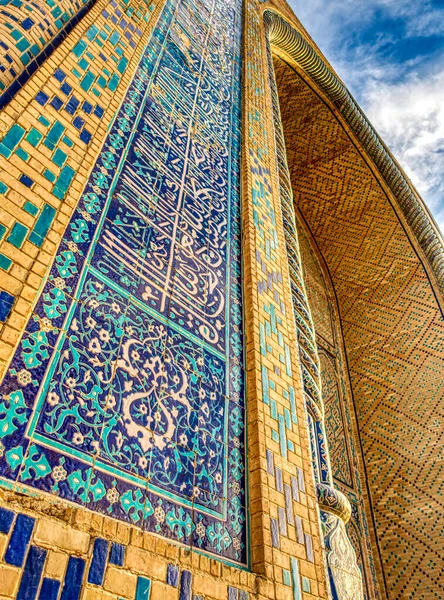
(221, 326)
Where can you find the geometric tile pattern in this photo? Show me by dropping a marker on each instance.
(339, 419)
(126, 392)
(29, 32)
(73, 104)
(393, 331)
(275, 394)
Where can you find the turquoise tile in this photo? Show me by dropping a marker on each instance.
(17, 235)
(59, 157)
(30, 208)
(79, 48)
(44, 221)
(54, 135)
(49, 175)
(22, 154)
(44, 121)
(5, 262)
(13, 138)
(34, 137)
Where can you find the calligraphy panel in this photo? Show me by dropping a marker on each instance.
(126, 392)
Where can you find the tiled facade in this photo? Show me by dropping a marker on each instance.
(181, 414)
(392, 327)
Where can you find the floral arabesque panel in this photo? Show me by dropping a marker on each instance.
(126, 392)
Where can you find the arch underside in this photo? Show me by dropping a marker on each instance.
(392, 330)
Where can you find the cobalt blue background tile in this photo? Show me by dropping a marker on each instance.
(19, 540)
(32, 574)
(50, 589)
(98, 562)
(6, 519)
(73, 579)
(117, 554)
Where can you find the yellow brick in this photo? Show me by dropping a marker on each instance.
(120, 582)
(9, 578)
(162, 591)
(211, 587)
(56, 564)
(3, 543)
(57, 535)
(141, 561)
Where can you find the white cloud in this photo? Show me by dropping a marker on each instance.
(410, 118)
(403, 100)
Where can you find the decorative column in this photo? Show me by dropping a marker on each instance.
(335, 510)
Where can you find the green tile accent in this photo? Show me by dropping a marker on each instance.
(2, 231)
(87, 81)
(34, 137)
(114, 38)
(297, 592)
(44, 121)
(22, 154)
(101, 81)
(54, 135)
(122, 65)
(83, 64)
(17, 235)
(5, 262)
(49, 175)
(274, 435)
(80, 48)
(11, 140)
(67, 141)
(92, 32)
(31, 208)
(42, 226)
(286, 577)
(3, 188)
(306, 585)
(59, 157)
(113, 82)
(16, 35)
(62, 184)
(23, 45)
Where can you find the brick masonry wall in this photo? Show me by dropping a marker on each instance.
(51, 133)
(71, 554)
(393, 328)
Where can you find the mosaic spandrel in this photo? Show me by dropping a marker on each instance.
(126, 393)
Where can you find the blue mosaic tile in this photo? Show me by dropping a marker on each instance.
(50, 589)
(6, 519)
(19, 540)
(233, 593)
(32, 573)
(172, 575)
(72, 586)
(98, 562)
(6, 303)
(186, 579)
(274, 526)
(117, 554)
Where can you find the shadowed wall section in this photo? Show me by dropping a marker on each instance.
(392, 328)
(339, 416)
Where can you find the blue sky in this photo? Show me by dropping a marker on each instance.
(390, 54)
